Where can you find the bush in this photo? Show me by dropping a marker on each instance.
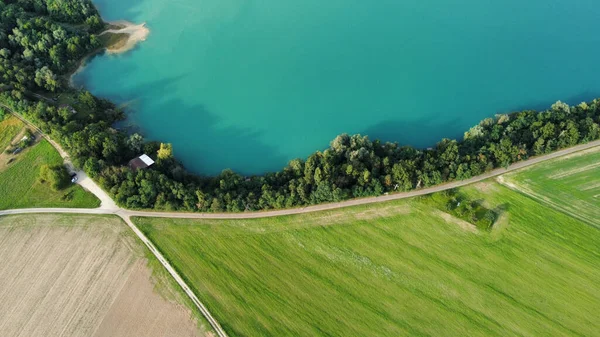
(27, 140)
(460, 206)
(56, 176)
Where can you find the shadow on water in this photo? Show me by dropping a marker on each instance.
(426, 132)
(201, 142)
(206, 146)
(420, 133)
(544, 105)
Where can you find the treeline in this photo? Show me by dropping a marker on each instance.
(353, 166)
(39, 42)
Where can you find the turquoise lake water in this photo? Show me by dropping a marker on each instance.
(251, 84)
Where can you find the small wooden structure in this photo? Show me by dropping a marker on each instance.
(140, 162)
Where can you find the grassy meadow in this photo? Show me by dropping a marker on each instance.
(400, 268)
(570, 184)
(20, 188)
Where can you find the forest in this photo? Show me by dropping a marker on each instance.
(43, 41)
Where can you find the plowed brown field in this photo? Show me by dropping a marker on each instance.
(66, 275)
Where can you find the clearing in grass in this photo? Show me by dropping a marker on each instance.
(20, 186)
(393, 269)
(571, 184)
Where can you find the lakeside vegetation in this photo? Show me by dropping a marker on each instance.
(40, 40)
(396, 268)
(42, 43)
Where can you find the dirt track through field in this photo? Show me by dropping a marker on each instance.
(80, 276)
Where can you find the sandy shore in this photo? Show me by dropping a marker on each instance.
(126, 36)
(135, 34)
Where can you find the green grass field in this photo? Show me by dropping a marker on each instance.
(571, 185)
(393, 269)
(9, 128)
(19, 186)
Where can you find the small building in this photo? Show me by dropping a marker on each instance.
(68, 107)
(140, 162)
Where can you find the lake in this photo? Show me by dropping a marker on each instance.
(251, 84)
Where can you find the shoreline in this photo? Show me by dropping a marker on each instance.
(127, 34)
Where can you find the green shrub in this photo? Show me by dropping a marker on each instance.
(56, 176)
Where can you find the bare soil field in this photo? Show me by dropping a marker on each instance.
(67, 275)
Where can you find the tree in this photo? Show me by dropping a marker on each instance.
(92, 167)
(402, 177)
(5, 53)
(216, 206)
(94, 22)
(46, 79)
(505, 152)
(87, 99)
(490, 217)
(56, 176)
(165, 152)
(135, 142)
